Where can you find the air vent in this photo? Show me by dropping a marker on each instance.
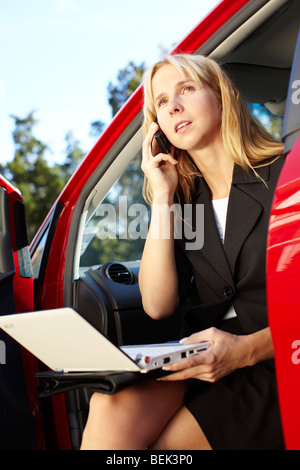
(119, 273)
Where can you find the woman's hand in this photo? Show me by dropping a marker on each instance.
(159, 169)
(227, 353)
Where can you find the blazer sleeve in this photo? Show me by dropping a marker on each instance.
(184, 273)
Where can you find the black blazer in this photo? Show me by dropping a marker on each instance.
(234, 273)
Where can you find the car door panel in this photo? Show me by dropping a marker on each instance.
(20, 422)
(283, 266)
(7, 265)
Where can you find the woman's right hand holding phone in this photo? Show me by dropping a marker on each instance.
(159, 168)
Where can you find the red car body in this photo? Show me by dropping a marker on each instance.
(54, 281)
(283, 274)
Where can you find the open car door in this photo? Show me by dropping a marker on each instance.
(283, 266)
(20, 419)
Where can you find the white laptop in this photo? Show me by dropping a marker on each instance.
(64, 341)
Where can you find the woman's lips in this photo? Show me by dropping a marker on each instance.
(181, 126)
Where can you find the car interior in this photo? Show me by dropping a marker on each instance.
(256, 47)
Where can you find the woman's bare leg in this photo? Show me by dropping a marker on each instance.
(182, 433)
(133, 418)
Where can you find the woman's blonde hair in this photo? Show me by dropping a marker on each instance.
(248, 143)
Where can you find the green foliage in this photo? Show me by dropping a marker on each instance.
(129, 79)
(39, 183)
(97, 128)
(30, 172)
(74, 156)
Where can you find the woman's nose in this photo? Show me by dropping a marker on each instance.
(175, 106)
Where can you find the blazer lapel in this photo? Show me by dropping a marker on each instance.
(243, 210)
(212, 249)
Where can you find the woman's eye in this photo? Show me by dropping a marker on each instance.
(161, 102)
(188, 88)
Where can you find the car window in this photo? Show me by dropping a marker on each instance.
(119, 225)
(272, 122)
(37, 254)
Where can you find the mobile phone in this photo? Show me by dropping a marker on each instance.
(162, 141)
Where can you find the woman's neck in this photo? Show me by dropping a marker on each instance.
(216, 166)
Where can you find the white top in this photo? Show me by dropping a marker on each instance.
(220, 211)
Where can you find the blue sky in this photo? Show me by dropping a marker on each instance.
(58, 56)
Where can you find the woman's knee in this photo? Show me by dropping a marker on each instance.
(103, 404)
(98, 402)
(109, 421)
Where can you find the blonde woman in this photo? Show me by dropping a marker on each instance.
(225, 397)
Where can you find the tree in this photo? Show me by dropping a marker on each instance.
(29, 171)
(129, 79)
(97, 128)
(74, 156)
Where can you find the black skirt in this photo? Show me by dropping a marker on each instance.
(240, 411)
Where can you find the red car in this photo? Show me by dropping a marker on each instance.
(283, 266)
(86, 257)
